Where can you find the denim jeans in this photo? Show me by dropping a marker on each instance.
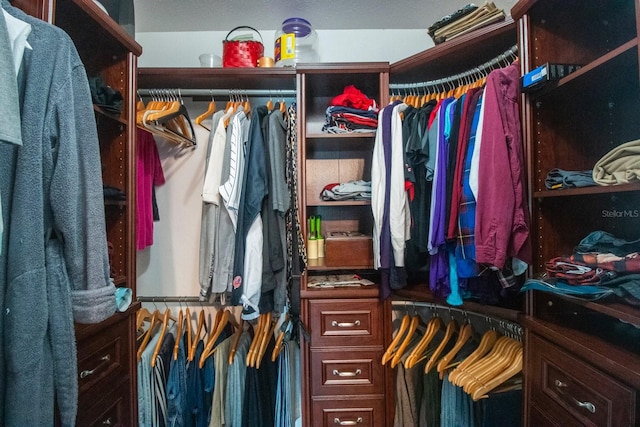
(177, 389)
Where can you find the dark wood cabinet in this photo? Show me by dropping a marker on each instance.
(582, 363)
(344, 382)
(106, 351)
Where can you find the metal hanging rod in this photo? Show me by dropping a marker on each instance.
(219, 92)
(173, 299)
(507, 327)
(480, 69)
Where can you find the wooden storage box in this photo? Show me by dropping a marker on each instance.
(349, 249)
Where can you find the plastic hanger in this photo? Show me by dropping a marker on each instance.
(450, 331)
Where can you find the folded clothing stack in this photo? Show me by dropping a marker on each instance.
(351, 190)
(465, 20)
(351, 111)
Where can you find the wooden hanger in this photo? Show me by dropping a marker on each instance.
(188, 330)
(483, 371)
(417, 354)
(257, 332)
(147, 336)
(468, 366)
(390, 351)
(221, 323)
(465, 334)
(270, 326)
(196, 336)
(450, 331)
(176, 346)
(486, 342)
(264, 331)
(279, 341)
(513, 369)
(210, 110)
(397, 357)
(163, 331)
(236, 340)
(142, 315)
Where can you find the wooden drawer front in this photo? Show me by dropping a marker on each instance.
(346, 372)
(111, 411)
(358, 413)
(589, 395)
(103, 356)
(345, 323)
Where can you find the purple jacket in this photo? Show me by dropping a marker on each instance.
(502, 213)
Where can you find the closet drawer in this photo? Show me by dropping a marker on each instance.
(358, 413)
(113, 410)
(345, 322)
(588, 395)
(103, 357)
(346, 372)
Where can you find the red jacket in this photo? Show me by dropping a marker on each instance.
(502, 213)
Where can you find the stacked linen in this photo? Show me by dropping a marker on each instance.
(351, 111)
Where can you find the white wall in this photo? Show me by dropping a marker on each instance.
(166, 49)
(170, 266)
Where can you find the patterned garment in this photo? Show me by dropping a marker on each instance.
(292, 217)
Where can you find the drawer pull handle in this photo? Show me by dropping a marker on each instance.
(347, 422)
(347, 373)
(107, 422)
(586, 405)
(345, 324)
(88, 372)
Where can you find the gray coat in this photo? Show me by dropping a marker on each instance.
(54, 253)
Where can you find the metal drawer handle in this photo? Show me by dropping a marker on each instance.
(586, 405)
(347, 422)
(107, 422)
(347, 373)
(345, 324)
(87, 372)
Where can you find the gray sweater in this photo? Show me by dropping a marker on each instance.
(54, 252)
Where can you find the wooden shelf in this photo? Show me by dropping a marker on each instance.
(336, 136)
(272, 78)
(455, 56)
(89, 18)
(581, 191)
(423, 294)
(318, 264)
(592, 71)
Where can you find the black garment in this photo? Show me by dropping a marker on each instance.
(499, 410)
(453, 149)
(260, 392)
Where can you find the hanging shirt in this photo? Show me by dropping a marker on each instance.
(149, 174)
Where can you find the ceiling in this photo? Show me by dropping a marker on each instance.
(221, 15)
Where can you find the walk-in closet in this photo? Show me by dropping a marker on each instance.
(283, 214)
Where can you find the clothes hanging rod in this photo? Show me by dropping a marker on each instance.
(218, 92)
(174, 299)
(507, 326)
(480, 69)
